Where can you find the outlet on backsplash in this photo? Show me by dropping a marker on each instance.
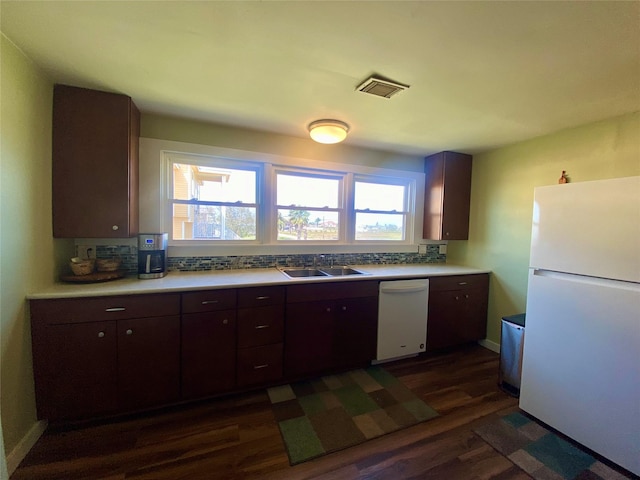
(86, 251)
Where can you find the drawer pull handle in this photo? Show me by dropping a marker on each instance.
(209, 302)
(466, 296)
(100, 334)
(258, 367)
(225, 321)
(129, 332)
(344, 309)
(462, 283)
(263, 297)
(258, 327)
(115, 309)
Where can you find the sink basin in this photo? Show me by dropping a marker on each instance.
(338, 271)
(303, 272)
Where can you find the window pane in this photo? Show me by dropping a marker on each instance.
(307, 225)
(213, 184)
(307, 191)
(371, 226)
(213, 222)
(379, 196)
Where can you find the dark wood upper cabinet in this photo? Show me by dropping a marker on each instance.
(95, 164)
(447, 196)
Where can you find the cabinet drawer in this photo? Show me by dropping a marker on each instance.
(95, 309)
(260, 326)
(208, 300)
(331, 291)
(457, 282)
(260, 296)
(259, 364)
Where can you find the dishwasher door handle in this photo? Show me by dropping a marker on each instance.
(404, 289)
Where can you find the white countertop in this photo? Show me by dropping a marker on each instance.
(215, 279)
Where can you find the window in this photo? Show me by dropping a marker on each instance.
(214, 200)
(309, 206)
(381, 209)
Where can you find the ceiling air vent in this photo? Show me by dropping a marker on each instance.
(380, 87)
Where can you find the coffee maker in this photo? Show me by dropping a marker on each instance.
(152, 255)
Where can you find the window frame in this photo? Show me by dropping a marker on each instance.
(266, 168)
(172, 159)
(309, 173)
(408, 207)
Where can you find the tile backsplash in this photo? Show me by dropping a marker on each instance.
(129, 256)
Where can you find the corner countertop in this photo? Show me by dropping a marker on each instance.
(216, 279)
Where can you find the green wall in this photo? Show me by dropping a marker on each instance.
(191, 131)
(28, 252)
(502, 199)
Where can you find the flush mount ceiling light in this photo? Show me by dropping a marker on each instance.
(328, 131)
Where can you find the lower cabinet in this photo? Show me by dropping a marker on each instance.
(330, 326)
(208, 342)
(148, 361)
(260, 335)
(102, 356)
(91, 357)
(457, 310)
(308, 343)
(75, 369)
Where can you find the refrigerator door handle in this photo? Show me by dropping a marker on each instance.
(582, 279)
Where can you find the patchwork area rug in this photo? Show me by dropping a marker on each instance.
(540, 452)
(338, 411)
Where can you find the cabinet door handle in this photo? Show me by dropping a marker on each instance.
(462, 283)
(457, 297)
(100, 334)
(258, 367)
(115, 309)
(129, 332)
(209, 302)
(225, 321)
(114, 227)
(263, 297)
(466, 296)
(258, 327)
(328, 309)
(344, 309)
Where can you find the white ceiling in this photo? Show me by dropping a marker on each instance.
(481, 74)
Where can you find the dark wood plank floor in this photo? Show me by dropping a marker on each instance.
(237, 437)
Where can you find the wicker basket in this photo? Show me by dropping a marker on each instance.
(108, 264)
(82, 267)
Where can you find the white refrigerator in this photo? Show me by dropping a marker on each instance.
(581, 359)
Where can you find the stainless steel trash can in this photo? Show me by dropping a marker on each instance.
(511, 343)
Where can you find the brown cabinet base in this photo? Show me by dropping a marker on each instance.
(457, 310)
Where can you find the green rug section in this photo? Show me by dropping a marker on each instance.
(339, 411)
(540, 452)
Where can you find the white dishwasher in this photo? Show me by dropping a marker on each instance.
(402, 319)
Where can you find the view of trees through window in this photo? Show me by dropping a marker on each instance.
(219, 201)
(213, 203)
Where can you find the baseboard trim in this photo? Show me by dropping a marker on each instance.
(488, 344)
(25, 445)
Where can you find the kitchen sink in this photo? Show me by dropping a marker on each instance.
(301, 272)
(338, 271)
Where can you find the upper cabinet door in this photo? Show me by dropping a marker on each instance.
(447, 196)
(95, 164)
